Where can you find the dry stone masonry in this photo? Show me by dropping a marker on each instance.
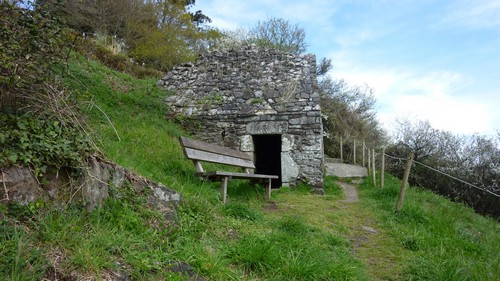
(260, 101)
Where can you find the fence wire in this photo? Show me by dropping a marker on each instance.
(445, 174)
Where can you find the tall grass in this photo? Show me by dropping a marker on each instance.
(446, 240)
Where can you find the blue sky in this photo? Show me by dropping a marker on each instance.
(434, 60)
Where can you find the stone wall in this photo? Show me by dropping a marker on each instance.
(237, 94)
(92, 187)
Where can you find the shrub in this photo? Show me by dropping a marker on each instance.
(41, 143)
(36, 42)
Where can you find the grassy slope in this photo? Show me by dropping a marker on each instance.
(438, 239)
(297, 236)
(404, 248)
(263, 239)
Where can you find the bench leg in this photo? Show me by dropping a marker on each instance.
(223, 189)
(268, 190)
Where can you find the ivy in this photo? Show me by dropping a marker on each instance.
(32, 43)
(41, 143)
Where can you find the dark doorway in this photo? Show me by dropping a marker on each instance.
(268, 156)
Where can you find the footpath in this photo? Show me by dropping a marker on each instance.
(368, 240)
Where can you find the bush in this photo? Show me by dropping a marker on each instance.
(36, 42)
(41, 143)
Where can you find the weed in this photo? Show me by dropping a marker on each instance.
(41, 143)
(332, 188)
(241, 211)
(293, 225)
(254, 254)
(19, 258)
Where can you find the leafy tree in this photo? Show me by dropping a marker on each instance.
(348, 112)
(176, 36)
(160, 33)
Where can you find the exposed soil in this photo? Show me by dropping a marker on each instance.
(351, 194)
(368, 241)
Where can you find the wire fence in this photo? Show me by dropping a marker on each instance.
(483, 200)
(444, 174)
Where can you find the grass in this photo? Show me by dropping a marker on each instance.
(295, 236)
(439, 239)
(265, 242)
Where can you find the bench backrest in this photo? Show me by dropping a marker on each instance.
(201, 151)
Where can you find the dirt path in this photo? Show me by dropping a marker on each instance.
(350, 192)
(369, 241)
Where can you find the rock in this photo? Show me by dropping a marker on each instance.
(18, 184)
(369, 229)
(345, 170)
(185, 269)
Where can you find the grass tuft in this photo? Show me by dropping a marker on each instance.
(241, 211)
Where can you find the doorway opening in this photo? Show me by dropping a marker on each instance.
(268, 156)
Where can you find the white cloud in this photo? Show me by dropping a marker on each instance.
(446, 112)
(355, 37)
(474, 13)
(433, 96)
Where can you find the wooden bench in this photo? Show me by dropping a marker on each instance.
(198, 152)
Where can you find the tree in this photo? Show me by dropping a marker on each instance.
(474, 159)
(348, 112)
(274, 33)
(279, 34)
(160, 33)
(175, 37)
(323, 67)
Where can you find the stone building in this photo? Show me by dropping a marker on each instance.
(260, 101)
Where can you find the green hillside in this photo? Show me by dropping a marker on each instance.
(296, 236)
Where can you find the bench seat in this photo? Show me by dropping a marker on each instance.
(198, 152)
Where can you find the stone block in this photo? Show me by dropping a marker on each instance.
(246, 143)
(287, 142)
(265, 92)
(268, 127)
(289, 169)
(19, 185)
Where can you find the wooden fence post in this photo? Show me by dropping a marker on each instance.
(341, 151)
(369, 162)
(354, 153)
(382, 167)
(364, 153)
(404, 183)
(374, 176)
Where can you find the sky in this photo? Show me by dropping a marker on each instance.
(434, 60)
